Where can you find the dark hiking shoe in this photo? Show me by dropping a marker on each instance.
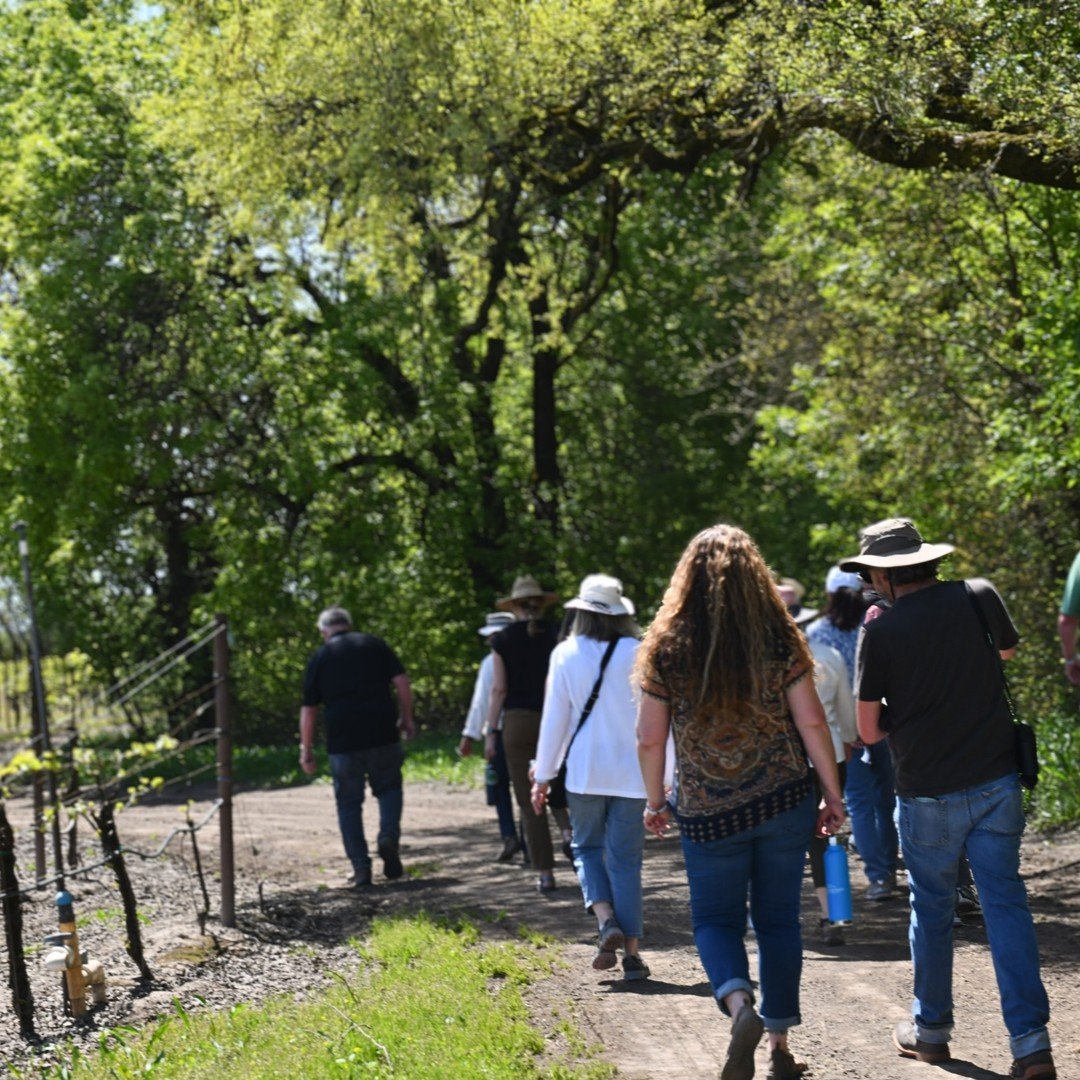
(634, 969)
(782, 1066)
(509, 849)
(611, 938)
(967, 901)
(361, 879)
(391, 860)
(831, 933)
(905, 1038)
(882, 890)
(1037, 1066)
(746, 1033)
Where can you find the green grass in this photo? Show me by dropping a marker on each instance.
(1056, 799)
(431, 1001)
(430, 756)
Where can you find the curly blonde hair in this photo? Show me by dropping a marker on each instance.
(720, 629)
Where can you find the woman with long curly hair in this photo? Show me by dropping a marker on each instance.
(726, 669)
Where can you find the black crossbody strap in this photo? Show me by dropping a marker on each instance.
(997, 654)
(595, 693)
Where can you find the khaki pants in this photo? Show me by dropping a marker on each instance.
(521, 729)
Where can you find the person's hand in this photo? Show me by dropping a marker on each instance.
(489, 746)
(307, 761)
(465, 746)
(831, 815)
(539, 796)
(657, 821)
(849, 749)
(407, 727)
(1072, 670)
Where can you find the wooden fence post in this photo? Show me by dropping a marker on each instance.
(22, 997)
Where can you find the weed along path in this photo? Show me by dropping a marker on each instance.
(296, 915)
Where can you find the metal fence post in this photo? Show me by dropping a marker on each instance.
(41, 735)
(224, 770)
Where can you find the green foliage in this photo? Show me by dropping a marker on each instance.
(382, 304)
(431, 998)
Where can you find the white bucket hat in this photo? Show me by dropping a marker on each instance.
(603, 594)
(496, 621)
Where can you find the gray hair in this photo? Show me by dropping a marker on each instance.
(603, 627)
(334, 616)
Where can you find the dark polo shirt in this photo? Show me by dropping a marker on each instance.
(350, 676)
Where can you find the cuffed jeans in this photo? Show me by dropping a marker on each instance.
(987, 820)
(381, 767)
(608, 844)
(766, 861)
(870, 793)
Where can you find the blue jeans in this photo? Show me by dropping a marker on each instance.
(870, 793)
(609, 841)
(766, 861)
(381, 767)
(987, 820)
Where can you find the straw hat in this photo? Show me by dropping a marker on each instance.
(525, 587)
(603, 594)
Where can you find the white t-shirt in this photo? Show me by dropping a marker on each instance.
(603, 760)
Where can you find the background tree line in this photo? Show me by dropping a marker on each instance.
(385, 303)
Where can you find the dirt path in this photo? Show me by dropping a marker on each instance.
(295, 918)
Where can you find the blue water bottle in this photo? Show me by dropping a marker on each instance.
(837, 882)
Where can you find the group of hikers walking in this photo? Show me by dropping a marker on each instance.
(728, 721)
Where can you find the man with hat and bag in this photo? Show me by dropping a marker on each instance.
(934, 658)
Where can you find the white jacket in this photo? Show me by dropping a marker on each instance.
(478, 707)
(834, 689)
(603, 760)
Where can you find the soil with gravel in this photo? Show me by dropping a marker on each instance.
(295, 915)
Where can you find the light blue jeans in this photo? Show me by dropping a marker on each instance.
(988, 820)
(766, 862)
(608, 844)
(870, 794)
(381, 767)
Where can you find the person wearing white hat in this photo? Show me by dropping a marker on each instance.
(588, 721)
(869, 785)
(497, 775)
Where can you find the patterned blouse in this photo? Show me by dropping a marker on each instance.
(735, 774)
(843, 641)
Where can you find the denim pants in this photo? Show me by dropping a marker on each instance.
(608, 844)
(381, 767)
(766, 862)
(988, 821)
(870, 793)
(498, 794)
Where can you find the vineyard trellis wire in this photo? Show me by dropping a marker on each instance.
(184, 713)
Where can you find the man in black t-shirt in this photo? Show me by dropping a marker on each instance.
(354, 677)
(951, 737)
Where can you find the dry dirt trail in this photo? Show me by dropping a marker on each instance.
(295, 915)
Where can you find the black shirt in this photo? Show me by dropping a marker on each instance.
(350, 675)
(927, 656)
(526, 657)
